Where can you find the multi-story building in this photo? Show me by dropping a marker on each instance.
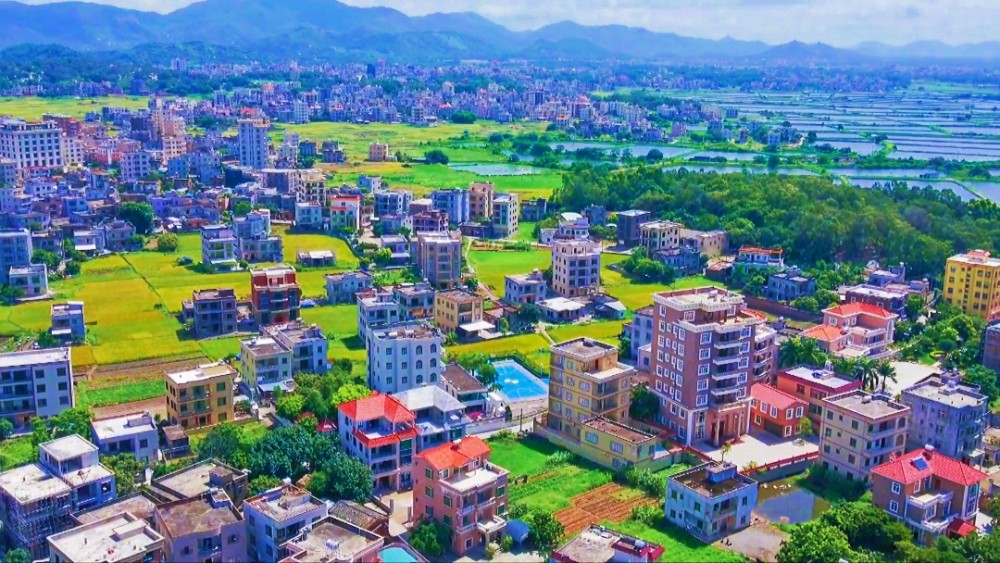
(629, 223)
(336, 539)
(117, 235)
(32, 144)
(618, 446)
(212, 312)
(948, 414)
(481, 200)
(462, 385)
(930, 492)
(196, 480)
(218, 246)
(775, 411)
(404, 355)
(202, 396)
(205, 528)
(440, 417)
(68, 321)
(135, 434)
(534, 209)
(134, 165)
(972, 282)
(36, 383)
(392, 202)
(882, 297)
(379, 152)
(36, 500)
(376, 308)
(416, 300)
(253, 146)
(275, 295)
(789, 285)
(861, 430)
(812, 385)
(429, 222)
(254, 241)
(455, 308)
(309, 215)
(708, 243)
(439, 259)
(991, 347)
(597, 544)
(765, 357)
(659, 235)
(381, 432)
(121, 538)
(711, 501)
(15, 251)
(306, 342)
(344, 287)
(757, 257)
(454, 202)
(400, 255)
(32, 280)
(345, 213)
(576, 267)
(640, 333)
(586, 381)
(265, 366)
(701, 354)
(276, 516)
(456, 485)
(506, 213)
(855, 330)
(520, 289)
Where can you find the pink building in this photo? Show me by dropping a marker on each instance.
(381, 432)
(455, 484)
(206, 528)
(855, 330)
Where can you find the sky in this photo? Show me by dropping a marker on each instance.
(838, 22)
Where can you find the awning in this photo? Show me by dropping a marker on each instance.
(287, 385)
(476, 326)
(518, 530)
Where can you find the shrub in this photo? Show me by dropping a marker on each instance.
(505, 436)
(558, 459)
(646, 513)
(518, 510)
(506, 544)
(650, 483)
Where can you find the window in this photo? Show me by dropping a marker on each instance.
(447, 500)
(704, 354)
(893, 507)
(789, 413)
(616, 447)
(788, 431)
(428, 492)
(703, 369)
(774, 412)
(896, 488)
(706, 338)
(220, 387)
(702, 400)
(591, 437)
(703, 385)
(428, 473)
(798, 412)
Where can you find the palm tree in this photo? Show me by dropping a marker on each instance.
(886, 372)
(866, 371)
(799, 351)
(725, 450)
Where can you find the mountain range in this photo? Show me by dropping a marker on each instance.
(330, 30)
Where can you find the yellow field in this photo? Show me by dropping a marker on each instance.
(34, 108)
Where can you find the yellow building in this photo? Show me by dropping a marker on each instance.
(972, 283)
(457, 307)
(586, 381)
(202, 396)
(617, 446)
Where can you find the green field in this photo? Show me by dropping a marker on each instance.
(534, 346)
(30, 108)
(679, 546)
(424, 178)
(606, 331)
(17, 451)
(119, 393)
(521, 457)
(492, 266)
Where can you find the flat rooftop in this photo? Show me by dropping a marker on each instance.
(331, 539)
(709, 298)
(698, 480)
(122, 426)
(198, 515)
(201, 373)
(34, 358)
(818, 377)
(872, 406)
(584, 348)
(463, 381)
(619, 430)
(68, 447)
(139, 504)
(195, 480)
(263, 347)
(947, 392)
(32, 482)
(121, 537)
(213, 294)
(401, 331)
(285, 503)
(459, 296)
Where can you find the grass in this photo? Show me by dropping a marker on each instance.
(607, 331)
(34, 108)
(521, 457)
(534, 346)
(679, 546)
(250, 431)
(423, 178)
(492, 266)
(17, 451)
(87, 396)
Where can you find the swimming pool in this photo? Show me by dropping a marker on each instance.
(517, 383)
(396, 555)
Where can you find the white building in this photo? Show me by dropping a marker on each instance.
(253, 143)
(32, 144)
(276, 516)
(134, 165)
(403, 356)
(36, 383)
(15, 251)
(135, 434)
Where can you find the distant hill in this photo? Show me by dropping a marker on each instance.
(798, 52)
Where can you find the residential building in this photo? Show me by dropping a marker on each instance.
(462, 385)
(429, 222)
(253, 145)
(213, 312)
(481, 200)
(392, 202)
(381, 432)
(765, 357)
(344, 287)
(701, 354)
(534, 209)
(972, 282)
(416, 300)
(775, 411)
(379, 152)
(32, 144)
(135, 434)
(404, 355)
(399, 249)
(202, 396)
(455, 308)
(789, 285)
(629, 225)
(882, 297)
(709, 244)
(572, 225)
(15, 251)
(334, 539)
(117, 235)
(275, 295)
(991, 347)
(265, 367)
(203, 477)
(309, 215)
(757, 257)
(454, 202)
(439, 259)
(506, 213)
(89, 241)
(617, 446)
(683, 260)
(659, 235)
(201, 529)
(812, 385)
(855, 330)
(254, 241)
(640, 333)
(32, 280)
(576, 267)
(345, 214)
(861, 430)
(306, 342)
(276, 516)
(68, 321)
(586, 380)
(440, 417)
(711, 501)
(520, 289)
(121, 538)
(597, 544)
(929, 492)
(218, 246)
(456, 485)
(949, 414)
(377, 308)
(38, 383)
(134, 165)
(36, 500)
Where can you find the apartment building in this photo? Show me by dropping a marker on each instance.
(855, 330)
(576, 267)
(481, 200)
(196, 480)
(928, 491)
(765, 357)
(404, 355)
(586, 381)
(15, 251)
(758, 257)
(134, 165)
(35, 383)
(121, 538)
(597, 544)
(709, 244)
(135, 434)
(276, 516)
(813, 385)
(334, 539)
(32, 280)
(861, 430)
(439, 259)
(68, 321)
(36, 500)
(506, 213)
(640, 333)
(440, 417)
(416, 300)
(702, 351)
(454, 202)
(711, 501)
(376, 308)
(775, 411)
(379, 152)
(218, 246)
(345, 214)
(309, 215)
(306, 342)
(789, 285)
(344, 287)
(275, 295)
(400, 254)
(253, 145)
(212, 312)
(629, 223)
(429, 222)
(659, 235)
(254, 241)
(381, 432)
(948, 414)
(265, 366)
(455, 484)
(456, 308)
(201, 529)
(392, 202)
(520, 289)
(202, 396)
(117, 235)
(32, 144)
(972, 282)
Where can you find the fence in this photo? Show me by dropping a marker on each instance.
(782, 468)
(781, 310)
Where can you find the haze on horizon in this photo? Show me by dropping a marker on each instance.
(843, 23)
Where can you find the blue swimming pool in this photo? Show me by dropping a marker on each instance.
(396, 555)
(517, 383)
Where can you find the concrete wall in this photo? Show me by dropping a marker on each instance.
(782, 310)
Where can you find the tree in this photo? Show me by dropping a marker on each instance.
(546, 531)
(471, 283)
(806, 304)
(221, 443)
(529, 313)
(242, 208)
(69, 422)
(654, 155)
(139, 214)
(724, 451)
(126, 468)
(814, 542)
(342, 478)
(431, 538)
(350, 392)
(47, 257)
(290, 405)
(465, 118)
(645, 405)
(798, 351)
(914, 306)
(436, 156)
(986, 379)
(865, 525)
(885, 372)
(167, 242)
(6, 428)
(72, 268)
(262, 483)
(18, 555)
(289, 452)
(806, 427)
(9, 295)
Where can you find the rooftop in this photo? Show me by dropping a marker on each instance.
(585, 348)
(121, 537)
(140, 504)
(619, 430)
(34, 358)
(708, 297)
(713, 479)
(947, 390)
(345, 275)
(919, 464)
(331, 539)
(463, 381)
(263, 346)
(871, 406)
(454, 455)
(977, 257)
(68, 447)
(820, 377)
(121, 426)
(420, 398)
(851, 309)
(213, 294)
(197, 479)
(402, 331)
(597, 544)
(201, 373)
(32, 482)
(376, 407)
(766, 394)
(203, 514)
(283, 503)
(561, 304)
(460, 296)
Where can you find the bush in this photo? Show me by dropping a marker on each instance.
(505, 436)
(167, 242)
(646, 513)
(828, 484)
(506, 544)
(431, 539)
(650, 483)
(558, 459)
(518, 510)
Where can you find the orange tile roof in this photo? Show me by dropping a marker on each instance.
(859, 309)
(902, 469)
(385, 440)
(772, 396)
(375, 407)
(454, 455)
(826, 333)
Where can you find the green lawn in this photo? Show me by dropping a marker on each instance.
(679, 546)
(526, 231)
(534, 346)
(521, 457)
(492, 266)
(34, 108)
(17, 451)
(119, 393)
(606, 331)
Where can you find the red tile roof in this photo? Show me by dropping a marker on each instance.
(858, 308)
(960, 528)
(454, 455)
(826, 333)
(375, 407)
(380, 441)
(766, 394)
(903, 470)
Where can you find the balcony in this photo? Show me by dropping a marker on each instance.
(726, 376)
(724, 391)
(720, 361)
(469, 508)
(927, 500)
(935, 525)
(492, 525)
(726, 344)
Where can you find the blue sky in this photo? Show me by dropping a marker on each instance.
(839, 22)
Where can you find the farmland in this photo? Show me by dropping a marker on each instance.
(34, 108)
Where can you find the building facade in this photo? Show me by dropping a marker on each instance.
(439, 259)
(949, 415)
(202, 396)
(586, 381)
(972, 283)
(276, 516)
(404, 355)
(253, 145)
(775, 411)
(381, 432)
(861, 430)
(36, 383)
(275, 295)
(711, 501)
(213, 312)
(576, 267)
